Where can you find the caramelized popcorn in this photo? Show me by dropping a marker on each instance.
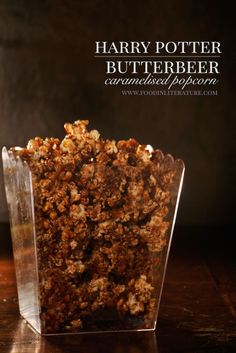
(101, 214)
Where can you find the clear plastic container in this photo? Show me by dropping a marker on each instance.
(68, 298)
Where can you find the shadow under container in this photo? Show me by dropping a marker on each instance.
(72, 296)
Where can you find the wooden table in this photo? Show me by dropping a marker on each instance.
(197, 314)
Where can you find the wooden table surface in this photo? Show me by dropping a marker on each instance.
(197, 313)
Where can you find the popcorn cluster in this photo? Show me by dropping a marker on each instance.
(101, 213)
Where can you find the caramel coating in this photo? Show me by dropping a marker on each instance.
(101, 212)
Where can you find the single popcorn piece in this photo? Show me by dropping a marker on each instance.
(101, 218)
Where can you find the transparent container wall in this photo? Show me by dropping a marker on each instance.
(64, 284)
(18, 186)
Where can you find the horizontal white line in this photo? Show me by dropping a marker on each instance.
(157, 56)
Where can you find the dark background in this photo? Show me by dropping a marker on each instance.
(48, 75)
